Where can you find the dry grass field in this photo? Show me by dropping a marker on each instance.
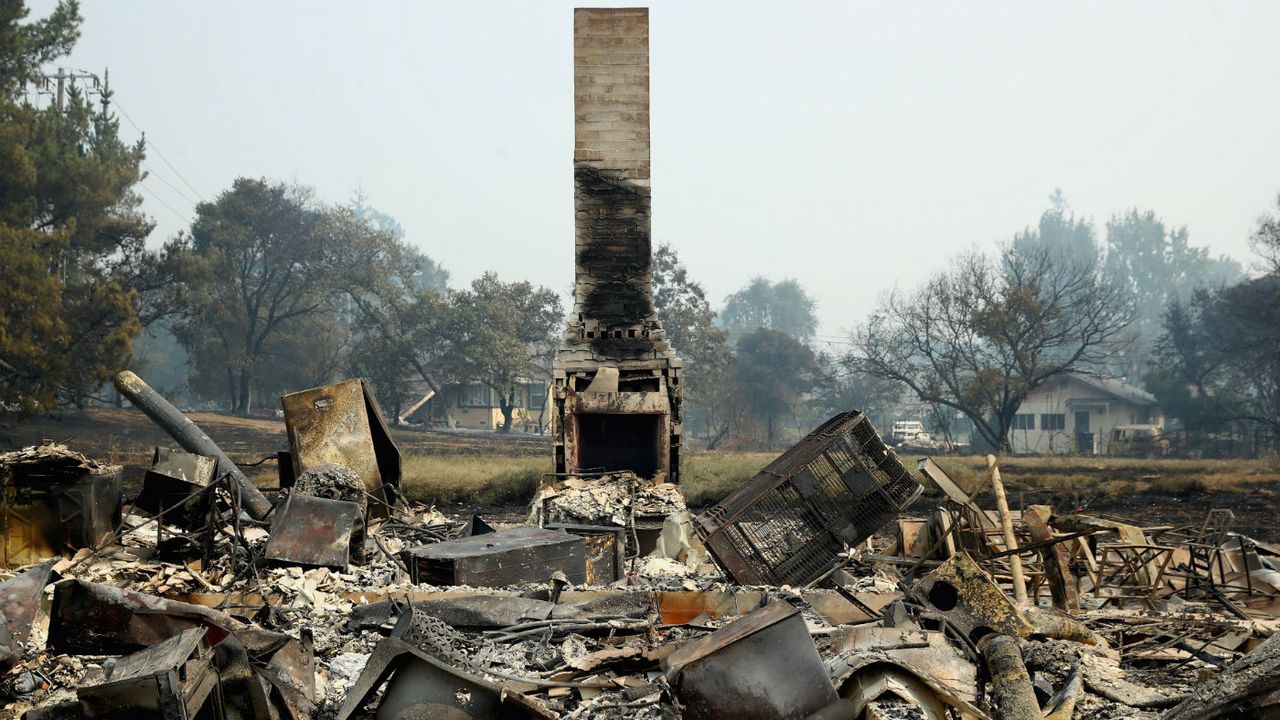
(461, 470)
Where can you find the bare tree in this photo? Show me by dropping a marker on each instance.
(982, 336)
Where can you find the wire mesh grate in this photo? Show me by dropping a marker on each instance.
(788, 524)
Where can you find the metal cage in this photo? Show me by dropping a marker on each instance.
(788, 524)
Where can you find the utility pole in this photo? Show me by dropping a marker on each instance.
(63, 77)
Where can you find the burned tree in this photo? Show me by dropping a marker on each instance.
(980, 337)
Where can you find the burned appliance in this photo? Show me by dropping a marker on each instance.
(342, 424)
(498, 559)
(617, 381)
(606, 550)
(171, 680)
(169, 486)
(789, 523)
(54, 501)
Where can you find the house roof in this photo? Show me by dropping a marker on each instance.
(1118, 389)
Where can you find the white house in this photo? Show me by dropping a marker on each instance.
(1076, 413)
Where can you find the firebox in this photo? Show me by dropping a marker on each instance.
(617, 380)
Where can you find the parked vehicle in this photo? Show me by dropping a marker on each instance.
(903, 430)
(1138, 441)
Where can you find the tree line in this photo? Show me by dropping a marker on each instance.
(271, 289)
(1144, 306)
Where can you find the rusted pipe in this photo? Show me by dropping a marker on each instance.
(1012, 693)
(1059, 627)
(190, 437)
(1006, 524)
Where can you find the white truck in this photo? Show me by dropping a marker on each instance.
(905, 431)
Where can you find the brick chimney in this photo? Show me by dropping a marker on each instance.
(617, 381)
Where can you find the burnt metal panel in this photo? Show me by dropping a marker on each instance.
(341, 424)
(606, 549)
(19, 604)
(175, 476)
(54, 502)
(964, 595)
(93, 619)
(525, 554)
(763, 666)
(420, 686)
(788, 524)
(316, 532)
(171, 680)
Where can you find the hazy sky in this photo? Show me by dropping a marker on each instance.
(850, 145)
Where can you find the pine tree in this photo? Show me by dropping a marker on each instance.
(70, 225)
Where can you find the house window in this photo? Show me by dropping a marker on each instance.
(1053, 421)
(1024, 421)
(474, 395)
(537, 395)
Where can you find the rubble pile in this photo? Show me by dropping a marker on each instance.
(381, 609)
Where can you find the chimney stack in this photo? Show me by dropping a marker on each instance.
(628, 416)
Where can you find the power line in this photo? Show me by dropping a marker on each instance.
(173, 187)
(160, 200)
(158, 153)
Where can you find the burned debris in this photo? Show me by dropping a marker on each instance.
(192, 439)
(565, 620)
(806, 593)
(56, 501)
(174, 678)
(341, 425)
(498, 559)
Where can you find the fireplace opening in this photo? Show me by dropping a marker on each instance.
(611, 441)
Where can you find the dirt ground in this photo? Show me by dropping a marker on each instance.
(1149, 492)
(127, 437)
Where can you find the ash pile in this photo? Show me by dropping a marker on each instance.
(805, 594)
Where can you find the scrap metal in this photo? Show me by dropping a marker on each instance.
(171, 680)
(54, 501)
(420, 686)
(316, 532)
(606, 550)
(342, 424)
(762, 666)
(964, 595)
(789, 523)
(95, 619)
(189, 435)
(171, 485)
(499, 559)
(864, 678)
(19, 607)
